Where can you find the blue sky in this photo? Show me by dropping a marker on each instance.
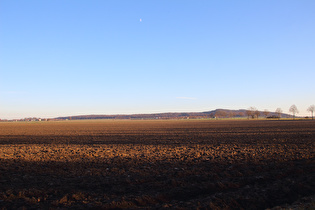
(61, 58)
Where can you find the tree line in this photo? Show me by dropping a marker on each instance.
(252, 112)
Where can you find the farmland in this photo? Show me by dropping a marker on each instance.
(108, 164)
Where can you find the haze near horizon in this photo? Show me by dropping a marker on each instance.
(63, 58)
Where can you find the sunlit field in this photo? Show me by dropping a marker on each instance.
(107, 164)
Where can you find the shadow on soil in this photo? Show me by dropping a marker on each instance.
(133, 183)
(153, 139)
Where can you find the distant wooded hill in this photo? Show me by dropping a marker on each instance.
(218, 113)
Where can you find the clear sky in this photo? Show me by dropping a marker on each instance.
(74, 57)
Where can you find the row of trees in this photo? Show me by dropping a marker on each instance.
(311, 109)
(253, 112)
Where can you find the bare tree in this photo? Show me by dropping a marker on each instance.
(294, 110)
(254, 110)
(250, 112)
(257, 113)
(279, 112)
(266, 113)
(311, 109)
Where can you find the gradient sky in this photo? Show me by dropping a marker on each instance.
(61, 58)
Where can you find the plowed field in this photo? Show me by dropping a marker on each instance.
(187, 164)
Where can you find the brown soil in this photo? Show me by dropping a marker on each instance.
(156, 164)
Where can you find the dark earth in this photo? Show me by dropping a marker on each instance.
(157, 164)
